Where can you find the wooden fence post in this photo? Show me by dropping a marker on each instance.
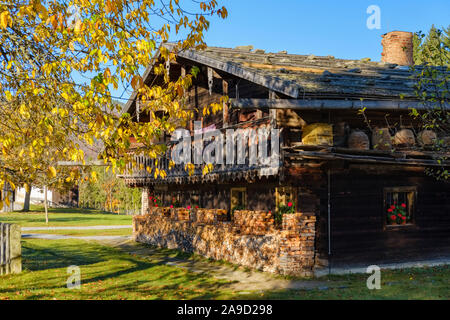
(10, 249)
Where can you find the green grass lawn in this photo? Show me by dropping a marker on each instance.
(65, 217)
(106, 273)
(110, 273)
(431, 283)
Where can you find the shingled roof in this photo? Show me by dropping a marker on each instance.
(311, 76)
(308, 76)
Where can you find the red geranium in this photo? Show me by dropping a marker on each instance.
(399, 214)
(390, 210)
(188, 207)
(196, 207)
(171, 206)
(156, 205)
(404, 218)
(289, 204)
(403, 205)
(393, 217)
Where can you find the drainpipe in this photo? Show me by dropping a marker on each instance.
(329, 221)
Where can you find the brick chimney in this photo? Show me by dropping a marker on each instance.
(398, 48)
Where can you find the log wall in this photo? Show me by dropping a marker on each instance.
(358, 231)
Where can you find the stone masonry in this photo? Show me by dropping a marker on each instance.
(288, 250)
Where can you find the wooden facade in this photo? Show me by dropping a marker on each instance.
(347, 179)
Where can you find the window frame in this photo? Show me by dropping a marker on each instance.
(400, 189)
(293, 191)
(238, 189)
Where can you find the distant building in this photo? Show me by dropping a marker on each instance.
(55, 198)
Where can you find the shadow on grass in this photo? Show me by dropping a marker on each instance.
(107, 273)
(37, 257)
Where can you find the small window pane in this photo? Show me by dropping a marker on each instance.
(399, 206)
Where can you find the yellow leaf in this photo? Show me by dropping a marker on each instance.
(78, 25)
(27, 187)
(135, 82)
(51, 172)
(5, 19)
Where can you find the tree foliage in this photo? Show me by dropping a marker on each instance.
(108, 193)
(432, 48)
(432, 87)
(60, 60)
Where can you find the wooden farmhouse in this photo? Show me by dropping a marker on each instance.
(353, 193)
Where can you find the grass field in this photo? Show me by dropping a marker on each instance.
(110, 273)
(106, 273)
(65, 217)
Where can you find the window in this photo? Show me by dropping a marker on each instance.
(285, 196)
(399, 203)
(238, 199)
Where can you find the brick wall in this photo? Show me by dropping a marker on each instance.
(398, 48)
(288, 251)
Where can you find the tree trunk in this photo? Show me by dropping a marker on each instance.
(45, 204)
(26, 202)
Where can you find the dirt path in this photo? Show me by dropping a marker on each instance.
(63, 237)
(242, 280)
(77, 228)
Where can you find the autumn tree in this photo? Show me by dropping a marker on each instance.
(60, 61)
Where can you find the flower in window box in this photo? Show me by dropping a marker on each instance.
(396, 214)
(171, 206)
(188, 207)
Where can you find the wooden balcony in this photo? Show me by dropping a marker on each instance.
(143, 172)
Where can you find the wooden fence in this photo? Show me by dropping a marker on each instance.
(10, 249)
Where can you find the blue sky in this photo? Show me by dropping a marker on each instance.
(321, 27)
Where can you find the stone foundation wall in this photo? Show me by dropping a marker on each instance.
(288, 251)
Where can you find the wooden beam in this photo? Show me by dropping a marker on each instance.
(287, 87)
(300, 104)
(225, 104)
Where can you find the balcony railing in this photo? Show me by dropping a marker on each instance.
(145, 167)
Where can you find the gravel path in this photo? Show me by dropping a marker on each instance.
(243, 281)
(63, 237)
(77, 228)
